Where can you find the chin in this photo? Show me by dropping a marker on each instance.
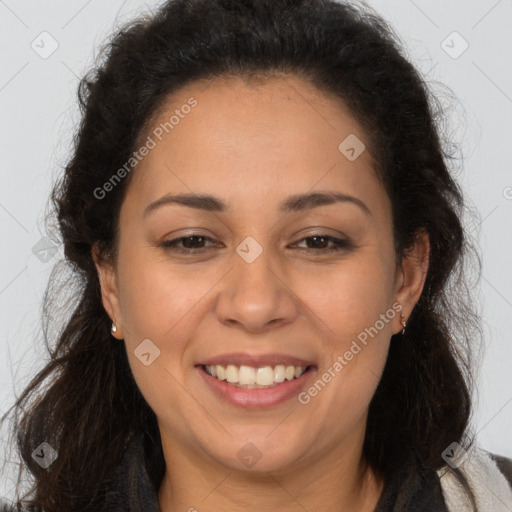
(259, 453)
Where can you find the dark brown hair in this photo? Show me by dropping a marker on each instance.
(85, 402)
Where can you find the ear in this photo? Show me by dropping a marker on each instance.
(411, 275)
(109, 290)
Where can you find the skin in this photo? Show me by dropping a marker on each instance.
(253, 146)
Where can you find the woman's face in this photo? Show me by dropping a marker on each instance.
(257, 286)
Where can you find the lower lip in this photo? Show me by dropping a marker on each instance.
(257, 398)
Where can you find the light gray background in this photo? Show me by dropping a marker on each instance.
(39, 110)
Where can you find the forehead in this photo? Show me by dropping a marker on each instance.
(252, 143)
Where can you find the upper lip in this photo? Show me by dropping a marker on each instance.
(240, 358)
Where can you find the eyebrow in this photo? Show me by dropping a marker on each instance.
(294, 203)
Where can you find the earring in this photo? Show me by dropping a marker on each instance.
(113, 329)
(403, 322)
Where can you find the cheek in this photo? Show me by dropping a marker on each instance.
(157, 298)
(161, 304)
(352, 296)
(352, 304)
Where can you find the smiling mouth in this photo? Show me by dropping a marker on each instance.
(249, 377)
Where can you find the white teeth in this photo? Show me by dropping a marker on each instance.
(231, 373)
(246, 375)
(279, 373)
(250, 377)
(264, 376)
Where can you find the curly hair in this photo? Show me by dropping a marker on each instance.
(91, 407)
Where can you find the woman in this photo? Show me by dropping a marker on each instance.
(272, 312)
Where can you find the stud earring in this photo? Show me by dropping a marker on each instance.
(113, 329)
(403, 322)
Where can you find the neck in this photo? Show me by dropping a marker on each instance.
(339, 481)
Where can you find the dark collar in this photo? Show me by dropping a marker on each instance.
(412, 488)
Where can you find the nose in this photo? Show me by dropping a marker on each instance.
(255, 295)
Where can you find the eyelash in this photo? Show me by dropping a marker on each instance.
(339, 244)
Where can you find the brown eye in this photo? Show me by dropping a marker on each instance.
(319, 243)
(189, 243)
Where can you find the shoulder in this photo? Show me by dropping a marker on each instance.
(489, 476)
(504, 465)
